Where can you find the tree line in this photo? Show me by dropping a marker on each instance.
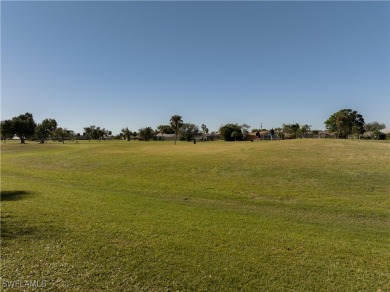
(24, 127)
(344, 123)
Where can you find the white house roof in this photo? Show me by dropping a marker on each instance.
(166, 135)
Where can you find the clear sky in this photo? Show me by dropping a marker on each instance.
(135, 64)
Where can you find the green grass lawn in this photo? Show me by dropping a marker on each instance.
(294, 215)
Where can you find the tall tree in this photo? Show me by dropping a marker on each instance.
(6, 129)
(97, 133)
(189, 131)
(146, 134)
(126, 133)
(345, 122)
(374, 126)
(245, 130)
(88, 132)
(204, 127)
(94, 132)
(227, 130)
(63, 133)
(373, 129)
(101, 133)
(45, 129)
(176, 123)
(23, 126)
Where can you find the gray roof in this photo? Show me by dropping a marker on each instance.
(166, 135)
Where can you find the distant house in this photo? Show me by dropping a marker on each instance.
(384, 133)
(326, 134)
(368, 135)
(199, 137)
(250, 137)
(264, 135)
(214, 136)
(169, 137)
(375, 135)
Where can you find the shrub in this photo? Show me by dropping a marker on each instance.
(227, 130)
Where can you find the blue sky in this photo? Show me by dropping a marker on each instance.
(135, 64)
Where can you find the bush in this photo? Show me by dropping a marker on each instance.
(227, 130)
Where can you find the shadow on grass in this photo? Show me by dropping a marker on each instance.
(10, 226)
(13, 195)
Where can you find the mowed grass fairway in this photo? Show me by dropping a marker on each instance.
(294, 215)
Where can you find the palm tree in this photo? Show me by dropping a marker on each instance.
(126, 133)
(204, 128)
(304, 129)
(176, 122)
